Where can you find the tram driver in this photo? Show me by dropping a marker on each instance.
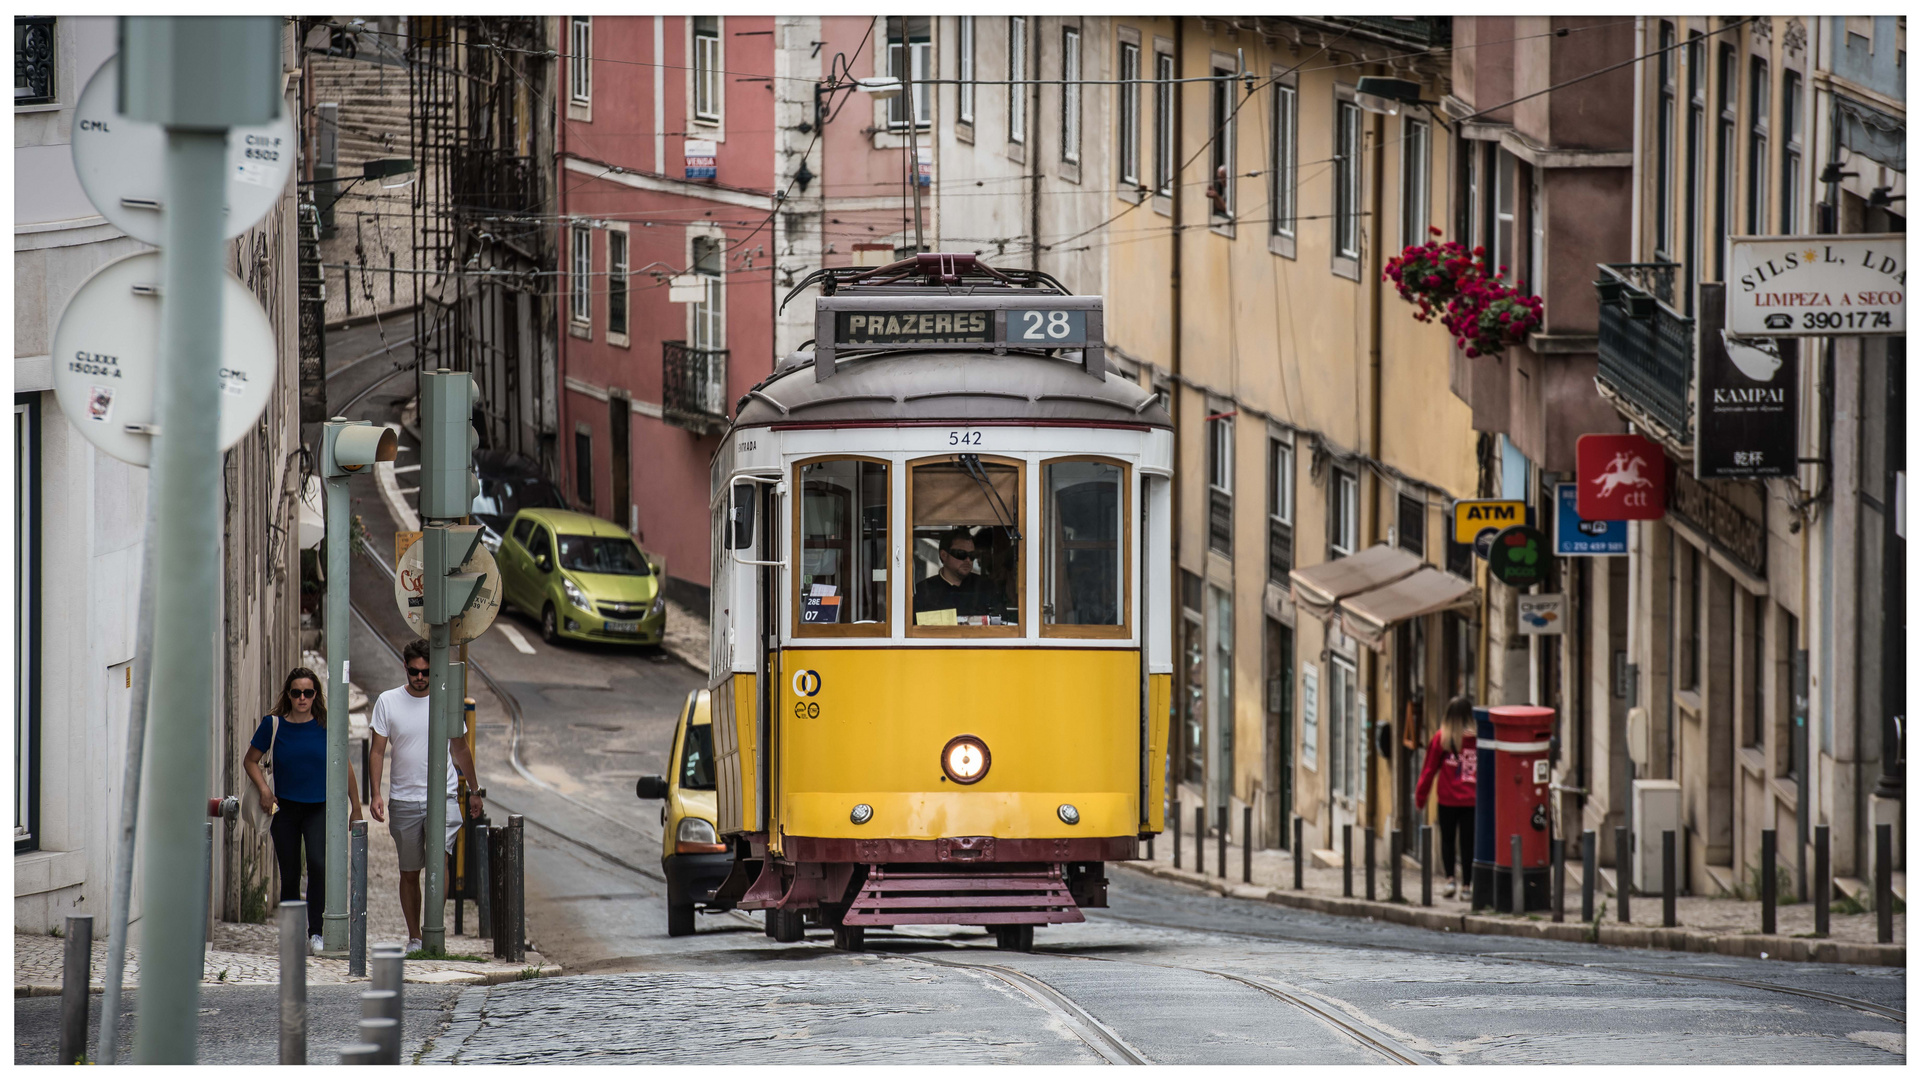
(957, 588)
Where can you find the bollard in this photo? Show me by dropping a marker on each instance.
(389, 972)
(516, 889)
(497, 888)
(1299, 853)
(379, 1004)
(1669, 888)
(1883, 881)
(1222, 861)
(1623, 869)
(1589, 869)
(384, 1033)
(1200, 840)
(481, 853)
(1822, 883)
(357, 898)
(1769, 860)
(1246, 844)
(362, 1053)
(74, 998)
(1395, 841)
(1559, 848)
(206, 896)
(1517, 890)
(293, 982)
(1346, 860)
(1176, 834)
(1366, 846)
(1427, 865)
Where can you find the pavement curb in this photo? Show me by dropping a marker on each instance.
(1677, 939)
(428, 978)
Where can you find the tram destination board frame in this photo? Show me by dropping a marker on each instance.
(916, 321)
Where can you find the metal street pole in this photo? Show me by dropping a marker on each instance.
(197, 77)
(433, 916)
(333, 918)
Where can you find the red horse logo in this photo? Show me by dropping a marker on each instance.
(1622, 471)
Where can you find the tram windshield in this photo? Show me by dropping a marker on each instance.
(966, 544)
(1084, 579)
(843, 545)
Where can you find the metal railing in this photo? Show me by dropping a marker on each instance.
(1646, 347)
(693, 386)
(1279, 550)
(1220, 521)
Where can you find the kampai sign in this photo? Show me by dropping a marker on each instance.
(1808, 286)
(1621, 478)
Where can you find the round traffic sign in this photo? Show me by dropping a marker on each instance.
(106, 358)
(122, 164)
(410, 590)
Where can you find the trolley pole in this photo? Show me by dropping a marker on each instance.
(196, 77)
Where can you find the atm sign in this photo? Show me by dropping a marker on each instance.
(1471, 517)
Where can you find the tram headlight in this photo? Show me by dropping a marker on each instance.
(965, 759)
(862, 813)
(1069, 813)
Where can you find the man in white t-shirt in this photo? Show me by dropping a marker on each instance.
(400, 720)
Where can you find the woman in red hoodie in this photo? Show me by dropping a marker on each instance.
(1452, 759)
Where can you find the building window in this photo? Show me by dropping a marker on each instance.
(580, 290)
(1536, 279)
(1221, 692)
(1790, 150)
(842, 577)
(1415, 148)
(1016, 76)
(33, 60)
(1694, 191)
(1286, 158)
(26, 621)
(910, 37)
(1129, 113)
(616, 282)
(1686, 612)
(1759, 108)
(1279, 510)
(580, 62)
(582, 466)
(964, 46)
(1346, 180)
(1162, 123)
(1220, 484)
(1726, 154)
(1788, 750)
(1347, 772)
(1506, 187)
(709, 315)
(1070, 94)
(966, 557)
(706, 68)
(1413, 523)
(1220, 145)
(1193, 703)
(1663, 149)
(1754, 731)
(1343, 514)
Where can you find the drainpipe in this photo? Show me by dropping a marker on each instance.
(1375, 235)
(1173, 360)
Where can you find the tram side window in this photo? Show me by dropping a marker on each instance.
(1084, 570)
(843, 545)
(966, 546)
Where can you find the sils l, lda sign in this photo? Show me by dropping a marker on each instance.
(1621, 478)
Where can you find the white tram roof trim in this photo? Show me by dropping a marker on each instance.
(944, 385)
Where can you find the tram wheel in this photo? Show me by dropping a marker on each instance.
(679, 920)
(785, 927)
(850, 938)
(1014, 938)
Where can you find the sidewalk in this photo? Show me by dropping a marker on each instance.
(1704, 924)
(246, 953)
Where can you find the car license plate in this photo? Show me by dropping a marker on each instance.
(622, 627)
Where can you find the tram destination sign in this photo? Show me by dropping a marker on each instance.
(1812, 286)
(854, 329)
(966, 321)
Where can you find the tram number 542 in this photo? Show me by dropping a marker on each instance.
(966, 438)
(1052, 327)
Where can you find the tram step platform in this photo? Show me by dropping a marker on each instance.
(990, 896)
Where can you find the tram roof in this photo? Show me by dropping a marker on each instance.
(948, 385)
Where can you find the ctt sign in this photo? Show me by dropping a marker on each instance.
(1809, 286)
(1621, 478)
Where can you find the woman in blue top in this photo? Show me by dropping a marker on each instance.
(296, 797)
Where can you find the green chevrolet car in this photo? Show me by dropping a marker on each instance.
(583, 577)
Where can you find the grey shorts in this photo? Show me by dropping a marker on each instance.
(407, 821)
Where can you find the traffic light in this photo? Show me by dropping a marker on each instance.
(347, 446)
(447, 442)
(448, 592)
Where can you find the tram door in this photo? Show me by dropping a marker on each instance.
(768, 661)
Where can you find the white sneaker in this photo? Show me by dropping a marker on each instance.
(413, 945)
(316, 943)
(1450, 889)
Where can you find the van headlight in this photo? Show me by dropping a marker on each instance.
(576, 596)
(695, 830)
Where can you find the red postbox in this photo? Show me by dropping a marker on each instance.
(1521, 736)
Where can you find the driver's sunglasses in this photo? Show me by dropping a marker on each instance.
(417, 672)
(963, 556)
(302, 693)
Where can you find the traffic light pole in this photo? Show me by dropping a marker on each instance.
(433, 915)
(333, 920)
(196, 77)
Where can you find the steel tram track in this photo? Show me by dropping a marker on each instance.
(376, 384)
(1101, 1038)
(1870, 1007)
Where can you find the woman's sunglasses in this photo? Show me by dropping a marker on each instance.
(302, 693)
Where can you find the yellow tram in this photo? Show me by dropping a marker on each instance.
(941, 610)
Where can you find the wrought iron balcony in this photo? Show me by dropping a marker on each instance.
(693, 386)
(1646, 347)
(1220, 521)
(1420, 30)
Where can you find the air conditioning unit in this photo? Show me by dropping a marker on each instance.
(1656, 809)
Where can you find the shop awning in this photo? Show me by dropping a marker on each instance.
(1369, 615)
(1317, 589)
